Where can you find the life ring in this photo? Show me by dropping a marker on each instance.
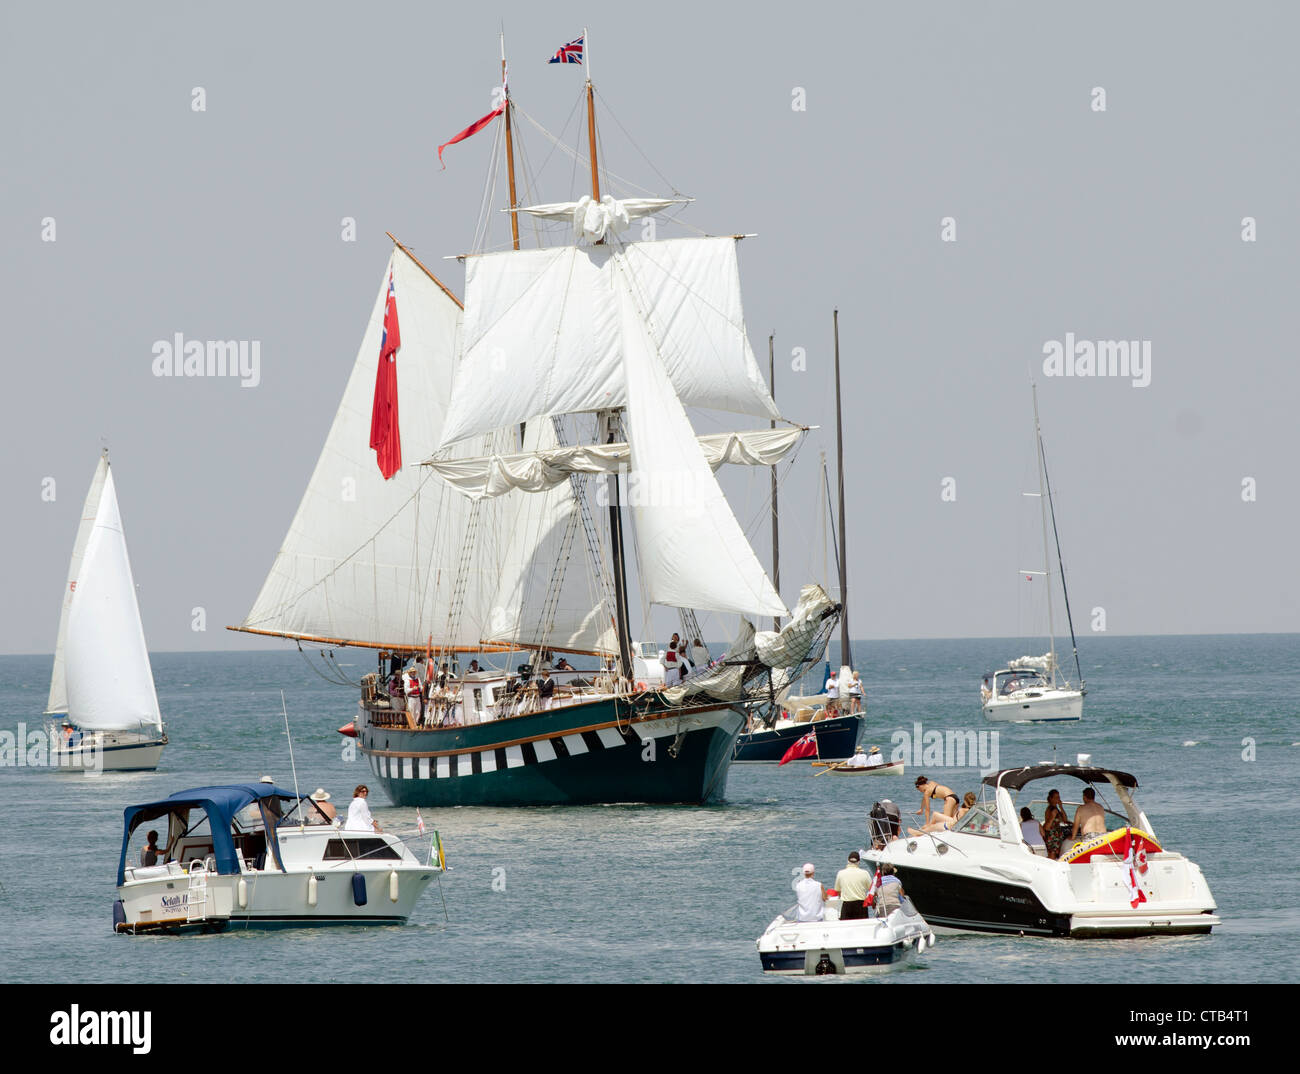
(1110, 843)
(641, 687)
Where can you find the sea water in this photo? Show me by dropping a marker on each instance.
(1209, 725)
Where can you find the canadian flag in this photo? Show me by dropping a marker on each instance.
(1136, 895)
(874, 890)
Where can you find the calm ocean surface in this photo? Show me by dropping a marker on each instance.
(639, 893)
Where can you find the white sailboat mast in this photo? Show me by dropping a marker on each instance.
(1047, 559)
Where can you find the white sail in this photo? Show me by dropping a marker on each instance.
(549, 593)
(543, 335)
(58, 701)
(106, 662)
(692, 551)
(537, 471)
(388, 562)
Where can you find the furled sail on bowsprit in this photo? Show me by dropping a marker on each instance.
(387, 563)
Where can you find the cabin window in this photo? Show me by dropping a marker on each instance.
(368, 849)
(981, 819)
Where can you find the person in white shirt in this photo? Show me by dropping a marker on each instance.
(359, 818)
(832, 686)
(875, 759)
(858, 760)
(855, 693)
(1032, 831)
(810, 895)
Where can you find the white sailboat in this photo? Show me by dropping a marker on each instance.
(1027, 689)
(102, 682)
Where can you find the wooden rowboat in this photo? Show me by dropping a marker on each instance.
(889, 768)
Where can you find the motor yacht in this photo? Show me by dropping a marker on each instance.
(253, 854)
(983, 875)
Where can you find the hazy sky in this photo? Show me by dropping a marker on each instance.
(1122, 224)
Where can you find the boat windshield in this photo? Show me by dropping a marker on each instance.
(980, 819)
(1008, 682)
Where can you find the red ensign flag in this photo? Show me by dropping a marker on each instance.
(384, 435)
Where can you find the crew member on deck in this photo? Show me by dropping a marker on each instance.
(545, 688)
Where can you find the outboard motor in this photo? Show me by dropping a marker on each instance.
(824, 966)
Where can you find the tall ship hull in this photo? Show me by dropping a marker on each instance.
(606, 750)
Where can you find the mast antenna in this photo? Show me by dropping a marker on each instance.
(292, 764)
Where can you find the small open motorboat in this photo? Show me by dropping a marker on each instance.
(832, 946)
(890, 768)
(255, 854)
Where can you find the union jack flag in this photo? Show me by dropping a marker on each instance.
(570, 53)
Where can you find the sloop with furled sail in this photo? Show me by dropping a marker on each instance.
(570, 368)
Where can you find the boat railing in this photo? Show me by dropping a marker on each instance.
(425, 847)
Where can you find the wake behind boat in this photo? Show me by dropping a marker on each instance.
(102, 680)
(254, 854)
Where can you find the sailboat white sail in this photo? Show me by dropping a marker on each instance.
(376, 562)
(102, 677)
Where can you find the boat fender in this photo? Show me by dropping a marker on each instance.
(641, 686)
(358, 889)
(311, 890)
(119, 916)
(392, 886)
(243, 893)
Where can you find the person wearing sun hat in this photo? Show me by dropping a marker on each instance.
(324, 813)
(875, 759)
(810, 894)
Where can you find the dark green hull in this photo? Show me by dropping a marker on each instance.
(609, 750)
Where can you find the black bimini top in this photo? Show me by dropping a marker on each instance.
(1015, 778)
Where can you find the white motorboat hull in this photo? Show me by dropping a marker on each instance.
(111, 751)
(269, 899)
(865, 945)
(1038, 706)
(191, 895)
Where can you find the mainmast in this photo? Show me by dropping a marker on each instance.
(510, 148)
(776, 529)
(609, 426)
(846, 649)
(1042, 503)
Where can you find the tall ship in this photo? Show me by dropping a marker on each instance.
(102, 701)
(546, 419)
(1028, 688)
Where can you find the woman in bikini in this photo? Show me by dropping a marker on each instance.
(929, 789)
